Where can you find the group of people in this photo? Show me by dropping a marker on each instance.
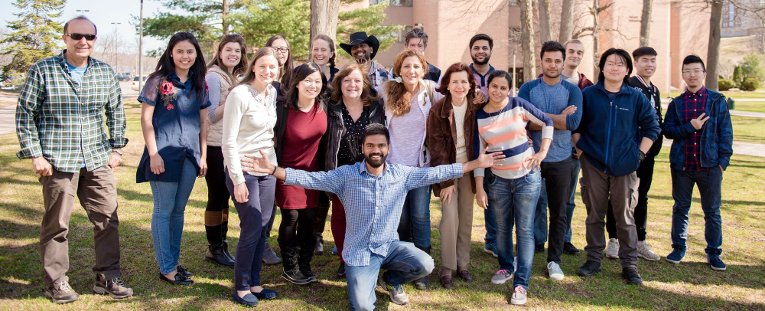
(371, 144)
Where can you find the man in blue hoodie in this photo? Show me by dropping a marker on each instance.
(611, 150)
(699, 123)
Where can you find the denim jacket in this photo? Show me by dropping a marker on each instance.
(716, 136)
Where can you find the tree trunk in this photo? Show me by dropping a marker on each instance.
(566, 21)
(324, 17)
(224, 17)
(545, 33)
(713, 50)
(527, 40)
(595, 39)
(645, 23)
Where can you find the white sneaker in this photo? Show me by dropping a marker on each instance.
(645, 252)
(554, 271)
(612, 250)
(519, 296)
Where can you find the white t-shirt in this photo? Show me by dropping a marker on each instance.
(459, 121)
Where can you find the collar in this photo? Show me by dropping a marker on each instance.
(363, 168)
(700, 92)
(173, 77)
(648, 85)
(491, 69)
(61, 58)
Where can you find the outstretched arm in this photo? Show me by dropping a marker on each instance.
(331, 181)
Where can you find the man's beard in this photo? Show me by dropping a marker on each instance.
(364, 58)
(375, 163)
(484, 62)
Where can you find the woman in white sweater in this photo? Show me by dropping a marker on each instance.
(248, 128)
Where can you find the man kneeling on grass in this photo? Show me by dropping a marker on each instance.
(373, 193)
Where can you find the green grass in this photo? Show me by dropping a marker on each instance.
(688, 286)
(747, 129)
(758, 106)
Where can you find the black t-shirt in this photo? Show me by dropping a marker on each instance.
(652, 93)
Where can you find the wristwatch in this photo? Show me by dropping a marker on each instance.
(642, 155)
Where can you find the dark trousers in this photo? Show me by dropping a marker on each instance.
(216, 211)
(645, 174)
(709, 182)
(320, 221)
(337, 224)
(98, 195)
(296, 239)
(598, 189)
(252, 220)
(557, 178)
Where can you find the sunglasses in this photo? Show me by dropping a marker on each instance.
(79, 36)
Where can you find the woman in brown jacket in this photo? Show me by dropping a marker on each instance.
(450, 138)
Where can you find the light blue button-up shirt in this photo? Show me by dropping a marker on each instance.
(372, 204)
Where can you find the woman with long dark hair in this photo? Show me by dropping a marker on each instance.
(352, 108)
(248, 127)
(450, 137)
(408, 100)
(300, 129)
(174, 123)
(228, 63)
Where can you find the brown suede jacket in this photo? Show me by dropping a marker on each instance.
(442, 132)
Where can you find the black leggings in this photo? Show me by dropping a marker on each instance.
(296, 239)
(216, 212)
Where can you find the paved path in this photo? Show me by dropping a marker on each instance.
(743, 148)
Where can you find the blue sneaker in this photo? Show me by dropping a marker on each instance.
(716, 263)
(676, 255)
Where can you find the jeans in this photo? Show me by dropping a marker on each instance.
(415, 218)
(170, 200)
(709, 182)
(404, 263)
(513, 202)
(570, 205)
(252, 221)
(540, 217)
(490, 222)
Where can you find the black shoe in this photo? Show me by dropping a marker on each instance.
(341, 271)
(60, 292)
(422, 283)
(177, 280)
(319, 248)
(631, 276)
(296, 277)
(266, 294)
(183, 271)
(589, 268)
(215, 253)
(248, 300)
(570, 249)
(539, 248)
(225, 251)
(309, 274)
(114, 287)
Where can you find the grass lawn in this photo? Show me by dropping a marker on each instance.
(688, 286)
(758, 106)
(747, 129)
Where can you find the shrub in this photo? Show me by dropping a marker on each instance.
(750, 84)
(725, 84)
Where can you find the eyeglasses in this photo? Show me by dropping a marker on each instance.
(695, 71)
(79, 36)
(282, 49)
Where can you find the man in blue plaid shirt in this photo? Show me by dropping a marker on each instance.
(59, 123)
(373, 193)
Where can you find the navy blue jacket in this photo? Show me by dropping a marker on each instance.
(609, 128)
(716, 134)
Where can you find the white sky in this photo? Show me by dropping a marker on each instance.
(103, 13)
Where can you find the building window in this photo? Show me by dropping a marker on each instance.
(393, 2)
(730, 16)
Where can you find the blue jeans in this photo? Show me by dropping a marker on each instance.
(415, 218)
(170, 200)
(404, 263)
(571, 204)
(709, 182)
(490, 222)
(540, 217)
(513, 202)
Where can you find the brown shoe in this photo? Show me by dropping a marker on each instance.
(446, 281)
(465, 275)
(60, 292)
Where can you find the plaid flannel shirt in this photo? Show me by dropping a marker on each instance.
(62, 121)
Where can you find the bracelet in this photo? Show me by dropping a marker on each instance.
(274, 171)
(642, 155)
(117, 151)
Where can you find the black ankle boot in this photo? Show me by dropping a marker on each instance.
(225, 251)
(216, 254)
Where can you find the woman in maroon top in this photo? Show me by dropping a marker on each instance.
(300, 128)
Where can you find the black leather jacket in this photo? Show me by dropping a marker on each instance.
(336, 130)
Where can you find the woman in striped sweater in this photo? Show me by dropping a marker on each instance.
(513, 184)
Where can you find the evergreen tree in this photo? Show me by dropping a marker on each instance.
(369, 20)
(34, 35)
(262, 19)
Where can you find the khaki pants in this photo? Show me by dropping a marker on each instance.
(456, 225)
(98, 195)
(597, 189)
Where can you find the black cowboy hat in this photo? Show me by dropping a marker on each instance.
(359, 38)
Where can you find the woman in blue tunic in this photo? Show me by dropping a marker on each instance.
(174, 123)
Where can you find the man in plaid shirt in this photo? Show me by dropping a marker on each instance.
(59, 123)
